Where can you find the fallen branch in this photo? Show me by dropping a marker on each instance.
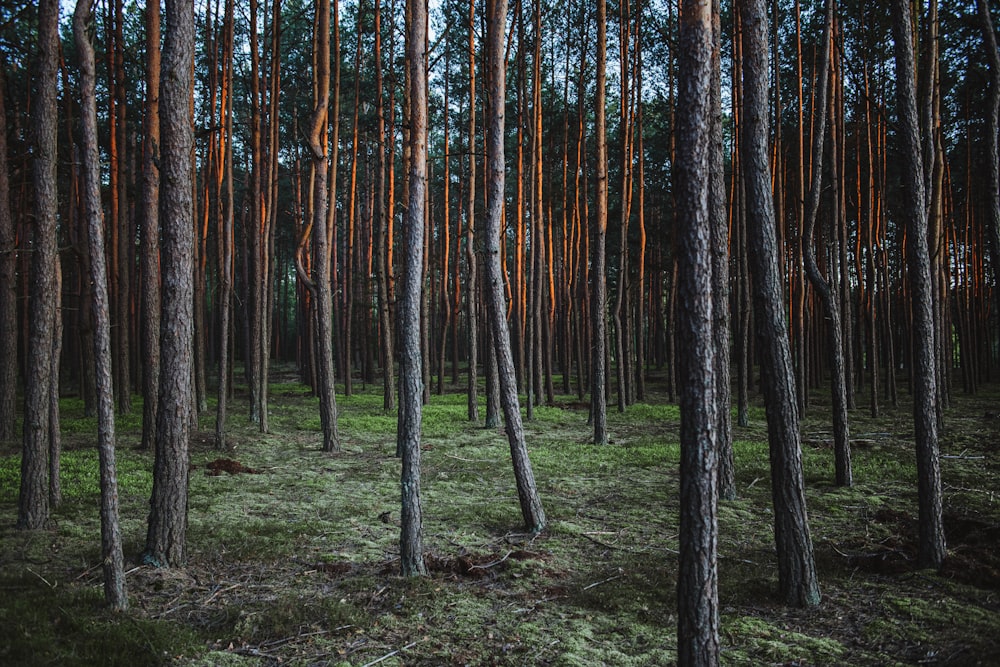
(389, 655)
(493, 564)
(604, 581)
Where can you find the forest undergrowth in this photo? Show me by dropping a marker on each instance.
(294, 553)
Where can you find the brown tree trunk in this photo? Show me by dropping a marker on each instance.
(411, 554)
(992, 131)
(598, 304)
(33, 499)
(166, 537)
(697, 577)
(226, 240)
(111, 538)
(471, 257)
(932, 549)
(149, 255)
(381, 215)
(796, 566)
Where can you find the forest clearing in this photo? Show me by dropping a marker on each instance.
(295, 562)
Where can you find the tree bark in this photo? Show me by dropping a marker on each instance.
(796, 566)
(531, 506)
(33, 500)
(697, 578)
(8, 286)
(992, 131)
(166, 535)
(111, 538)
(411, 555)
(932, 549)
(598, 305)
(471, 258)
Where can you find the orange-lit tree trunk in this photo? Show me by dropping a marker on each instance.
(598, 305)
(471, 257)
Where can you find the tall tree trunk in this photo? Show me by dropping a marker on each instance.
(531, 506)
(149, 255)
(719, 230)
(697, 578)
(318, 137)
(33, 499)
(226, 232)
(111, 538)
(381, 214)
(796, 566)
(992, 131)
(598, 305)
(932, 549)
(471, 261)
(411, 554)
(8, 286)
(166, 537)
(838, 381)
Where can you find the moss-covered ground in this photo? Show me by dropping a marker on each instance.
(293, 553)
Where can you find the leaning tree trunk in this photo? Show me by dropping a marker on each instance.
(33, 501)
(796, 565)
(531, 505)
(166, 535)
(931, 527)
(111, 538)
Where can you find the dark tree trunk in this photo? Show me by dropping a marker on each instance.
(531, 506)
(380, 216)
(8, 287)
(697, 578)
(226, 233)
(931, 527)
(111, 538)
(471, 258)
(992, 130)
(411, 554)
(166, 536)
(719, 226)
(33, 501)
(831, 306)
(796, 565)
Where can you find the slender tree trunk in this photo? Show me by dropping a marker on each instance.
(150, 232)
(33, 500)
(8, 287)
(697, 578)
(380, 214)
(932, 549)
(531, 506)
(411, 553)
(471, 257)
(226, 240)
(166, 537)
(992, 142)
(796, 566)
(111, 538)
(841, 431)
(598, 305)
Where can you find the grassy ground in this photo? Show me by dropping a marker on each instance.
(294, 561)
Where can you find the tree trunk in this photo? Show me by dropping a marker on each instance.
(471, 258)
(932, 549)
(8, 287)
(841, 431)
(598, 305)
(531, 506)
(381, 214)
(166, 537)
(411, 555)
(796, 565)
(150, 232)
(226, 240)
(992, 131)
(33, 500)
(697, 578)
(111, 538)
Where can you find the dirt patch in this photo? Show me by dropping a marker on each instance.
(219, 466)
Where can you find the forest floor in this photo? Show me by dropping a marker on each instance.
(293, 554)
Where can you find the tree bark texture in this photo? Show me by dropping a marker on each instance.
(8, 287)
(33, 500)
(531, 505)
(112, 561)
(932, 549)
(166, 535)
(697, 578)
(599, 288)
(796, 565)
